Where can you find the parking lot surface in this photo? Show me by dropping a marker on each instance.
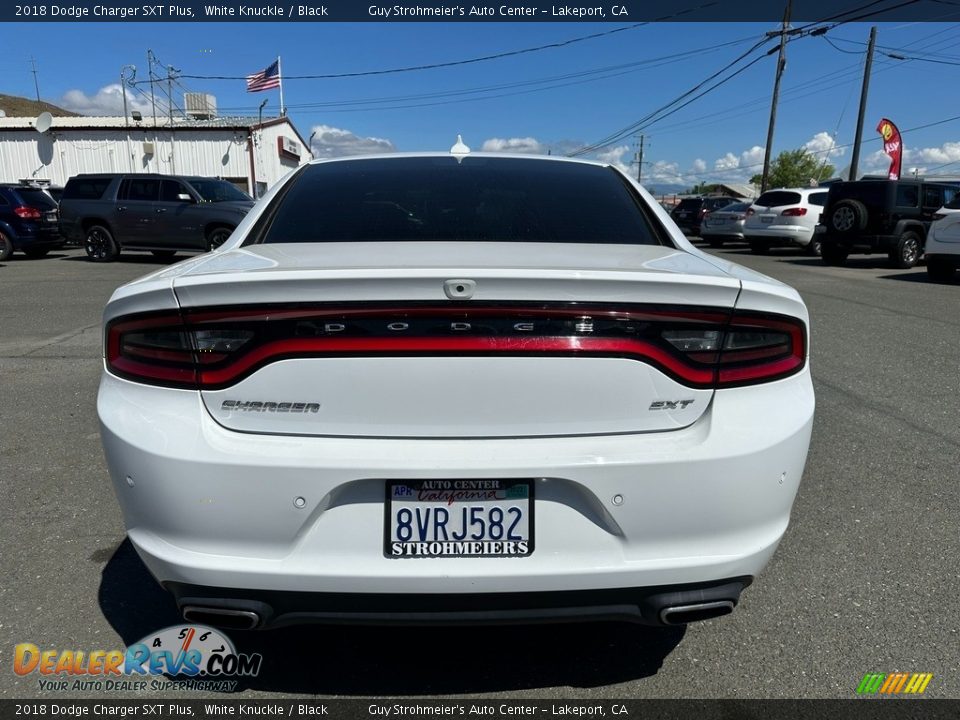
(865, 580)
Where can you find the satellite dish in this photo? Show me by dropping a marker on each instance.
(43, 122)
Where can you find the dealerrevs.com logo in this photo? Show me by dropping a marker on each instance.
(898, 683)
(194, 655)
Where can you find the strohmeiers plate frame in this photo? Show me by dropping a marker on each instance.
(506, 483)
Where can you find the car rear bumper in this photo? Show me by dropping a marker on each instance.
(206, 506)
(786, 234)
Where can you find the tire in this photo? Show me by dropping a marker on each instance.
(759, 247)
(908, 251)
(833, 255)
(814, 247)
(164, 253)
(217, 236)
(848, 216)
(6, 247)
(100, 245)
(34, 253)
(715, 242)
(940, 269)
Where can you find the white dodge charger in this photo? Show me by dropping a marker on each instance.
(455, 388)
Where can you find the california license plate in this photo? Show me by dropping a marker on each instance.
(766, 218)
(458, 518)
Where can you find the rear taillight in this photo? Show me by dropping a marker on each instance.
(209, 349)
(751, 211)
(27, 213)
(795, 212)
(939, 216)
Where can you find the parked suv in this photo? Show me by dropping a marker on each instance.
(158, 213)
(943, 242)
(881, 216)
(787, 216)
(689, 212)
(28, 221)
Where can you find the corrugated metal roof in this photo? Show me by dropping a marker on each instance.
(118, 123)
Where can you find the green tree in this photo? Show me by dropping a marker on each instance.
(795, 168)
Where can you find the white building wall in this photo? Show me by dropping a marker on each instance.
(221, 152)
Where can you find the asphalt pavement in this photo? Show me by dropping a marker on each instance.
(865, 580)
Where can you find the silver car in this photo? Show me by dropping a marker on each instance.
(725, 225)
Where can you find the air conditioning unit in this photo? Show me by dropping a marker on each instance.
(200, 106)
(148, 148)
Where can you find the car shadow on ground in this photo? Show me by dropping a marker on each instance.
(398, 661)
(135, 258)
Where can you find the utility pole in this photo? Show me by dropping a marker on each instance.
(36, 84)
(173, 159)
(855, 157)
(781, 64)
(640, 161)
(126, 115)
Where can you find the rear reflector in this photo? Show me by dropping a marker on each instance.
(216, 348)
(27, 213)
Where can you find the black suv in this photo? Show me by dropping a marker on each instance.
(159, 213)
(880, 216)
(28, 221)
(689, 212)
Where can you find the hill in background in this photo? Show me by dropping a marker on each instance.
(14, 106)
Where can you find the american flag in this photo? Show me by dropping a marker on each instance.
(265, 79)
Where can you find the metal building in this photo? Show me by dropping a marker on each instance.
(249, 152)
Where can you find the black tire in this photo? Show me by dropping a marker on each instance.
(848, 216)
(34, 253)
(908, 251)
(833, 255)
(164, 253)
(940, 269)
(6, 247)
(759, 247)
(217, 236)
(814, 247)
(100, 245)
(715, 242)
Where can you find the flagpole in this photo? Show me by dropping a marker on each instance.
(283, 108)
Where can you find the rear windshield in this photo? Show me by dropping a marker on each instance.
(35, 197)
(477, 199)
(819, 198)
(85, 188)
(735, 207)
(955, 203)
(690, 204)
(776, 198)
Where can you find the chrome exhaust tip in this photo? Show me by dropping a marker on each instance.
(221, 617)
(683, 614)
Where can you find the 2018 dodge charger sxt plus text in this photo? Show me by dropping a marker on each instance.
(451, 388)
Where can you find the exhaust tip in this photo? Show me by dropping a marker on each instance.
(221, 617)
(683, 614)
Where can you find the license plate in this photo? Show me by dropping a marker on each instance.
(458, 518)
(717, 221)
(766, 218)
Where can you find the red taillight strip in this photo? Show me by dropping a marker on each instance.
(319, 347)
(141, 371)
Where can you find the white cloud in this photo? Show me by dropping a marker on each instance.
(330, 142)
(727, 162)
(527, 145)
(108, 101)
(614, 156)
(699, 166)
(823, 144)
(663, 171)
(750, 159)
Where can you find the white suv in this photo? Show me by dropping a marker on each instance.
(943, 242)
(786, 216)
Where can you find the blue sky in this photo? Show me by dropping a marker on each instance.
(720, 136)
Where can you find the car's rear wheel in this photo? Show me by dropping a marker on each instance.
(164, 253)
(759, 247)
(833, 255)
(848, 216)
(940, 269)
(34, 253)
(217, 237)
(6, 247)
(100, 245)
(907, 252)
